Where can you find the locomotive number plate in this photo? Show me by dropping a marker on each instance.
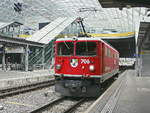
(85, 61)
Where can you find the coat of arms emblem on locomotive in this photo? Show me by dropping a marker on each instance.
(74, 62)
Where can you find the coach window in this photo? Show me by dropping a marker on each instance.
(86, 48)
(117, 56)
(65, 48)
(108, 53)
(105, 51)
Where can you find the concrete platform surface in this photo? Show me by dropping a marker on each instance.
(131, 95)
(18, 78)
(135, 95)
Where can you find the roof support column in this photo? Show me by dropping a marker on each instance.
(26, 57)
(3, 59)
(137, 64)
(43, 56)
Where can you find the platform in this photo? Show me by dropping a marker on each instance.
(129, 94)
(18, 78)
(135, 95)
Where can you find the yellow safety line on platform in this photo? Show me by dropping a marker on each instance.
(16, 103)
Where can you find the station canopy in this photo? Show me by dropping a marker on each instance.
(32, 12)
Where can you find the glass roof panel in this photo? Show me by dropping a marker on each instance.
(36, 11)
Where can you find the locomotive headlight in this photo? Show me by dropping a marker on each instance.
(58, 66)
(91, 67)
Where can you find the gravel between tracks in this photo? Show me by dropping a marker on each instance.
(83, 107)
(24, 103)
(62, 106)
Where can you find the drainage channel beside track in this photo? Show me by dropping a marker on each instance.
(25, 88)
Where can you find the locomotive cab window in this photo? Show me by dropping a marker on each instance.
(86, 48)
(65, 48)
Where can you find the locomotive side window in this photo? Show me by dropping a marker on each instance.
(105, 51)
(108, 52)
(65, 48)
(86, 48)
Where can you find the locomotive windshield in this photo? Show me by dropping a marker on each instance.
(65, 48)
(86, 48)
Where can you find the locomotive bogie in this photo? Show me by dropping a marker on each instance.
(78, 88)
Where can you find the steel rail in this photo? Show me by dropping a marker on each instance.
(40, 109)
(25, 88)
(74, 107)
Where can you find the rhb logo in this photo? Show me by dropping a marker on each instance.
(74, 62)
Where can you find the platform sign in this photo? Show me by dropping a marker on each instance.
(14, 50)
(29, 51)
(142, 52)
(136, 55)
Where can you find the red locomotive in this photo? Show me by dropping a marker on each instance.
(82, 65)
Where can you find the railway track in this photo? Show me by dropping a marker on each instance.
(74, 107)
(26, 88)
(47, 108)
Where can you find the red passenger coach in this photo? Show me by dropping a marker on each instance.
(82, 65)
